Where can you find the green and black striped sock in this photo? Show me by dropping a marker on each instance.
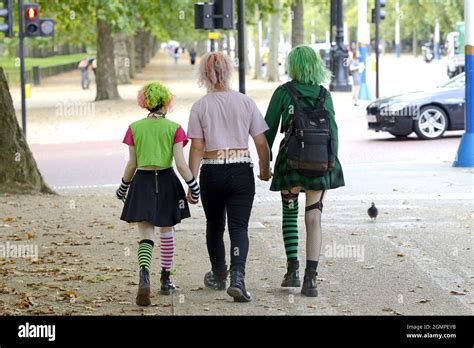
(290, 229)
(145, 251)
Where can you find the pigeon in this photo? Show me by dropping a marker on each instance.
(373, 212)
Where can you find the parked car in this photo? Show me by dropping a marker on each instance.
(428, 113)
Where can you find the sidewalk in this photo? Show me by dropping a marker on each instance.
(415, 259)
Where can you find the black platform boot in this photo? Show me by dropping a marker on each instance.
(292, 276)
(309, 283)
(237, 288)
(215, 280)
(167, 286)
(143, 295)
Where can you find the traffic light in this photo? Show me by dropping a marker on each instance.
(224, 14)
(6, 12)
(381, 4)
(216, 15)
(34, 25)
(32, 20)
(203, 16)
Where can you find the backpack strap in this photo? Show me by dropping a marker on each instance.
(295, 97)
(293, 93)
(321, 98)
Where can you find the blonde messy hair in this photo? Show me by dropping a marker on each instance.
(215, 71)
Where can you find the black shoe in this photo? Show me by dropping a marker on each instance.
(237, 287)
(143, 295)
(215, 281)
(309, 283)
(292, 276)
(167, 286)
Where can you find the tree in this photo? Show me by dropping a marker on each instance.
(18, 170)
(273, 58)
(257, 42)
(297, 23)
(106, 78)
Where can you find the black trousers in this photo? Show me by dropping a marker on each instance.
(227, 189)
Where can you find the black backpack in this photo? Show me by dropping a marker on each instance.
(310, 146)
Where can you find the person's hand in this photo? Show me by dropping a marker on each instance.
(265, 174)
(189, 197)
(121, 192)
(194, 191)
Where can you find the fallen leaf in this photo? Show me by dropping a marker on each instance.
(400, 254)
(455, 292)
(424, 301)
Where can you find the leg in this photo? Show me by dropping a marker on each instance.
(289, 201)
(146, 232)
(166, 259)
(314, 208)
(213, 201)
(239, 203)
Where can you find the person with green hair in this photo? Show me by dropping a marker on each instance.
(307, 72)
(150, 189)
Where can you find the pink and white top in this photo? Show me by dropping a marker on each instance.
(225, 120)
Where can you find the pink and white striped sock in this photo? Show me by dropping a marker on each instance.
(166, 250)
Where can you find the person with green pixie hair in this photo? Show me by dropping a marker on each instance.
(307, 71)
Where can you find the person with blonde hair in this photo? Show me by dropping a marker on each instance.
(155, 195)
(220, 124)
(307, 71)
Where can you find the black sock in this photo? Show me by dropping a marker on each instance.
(311, 264)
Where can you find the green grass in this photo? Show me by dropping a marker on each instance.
(12, 68)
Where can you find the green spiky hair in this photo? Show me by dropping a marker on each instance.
(154, 96)
(306, 66)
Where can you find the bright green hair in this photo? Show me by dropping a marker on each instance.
(306, 66)
(154, 96)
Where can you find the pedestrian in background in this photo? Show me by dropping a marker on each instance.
(192, 55)
(220, 124)
(176, 55)
(355, 68)
(307, 71)
(83, 66)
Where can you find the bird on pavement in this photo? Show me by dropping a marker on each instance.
(373, 212)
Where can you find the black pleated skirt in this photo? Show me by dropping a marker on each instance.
(156, 196)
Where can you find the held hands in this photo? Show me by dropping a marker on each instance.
(121, 192)
(194, 191)
(265, 174)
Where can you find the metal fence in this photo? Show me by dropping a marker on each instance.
(36, 74)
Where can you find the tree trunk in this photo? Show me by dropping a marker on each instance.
(138, 51)
(131, 55)
(297, 23)
(106, 78)
(122, 60)
(18, 170)
(257, 37)
(415, 43)
(272, 68)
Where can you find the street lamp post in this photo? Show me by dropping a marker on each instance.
(465, 154)
(339, 54)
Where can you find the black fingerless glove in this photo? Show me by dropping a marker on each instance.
(195, 191)
(121, 192)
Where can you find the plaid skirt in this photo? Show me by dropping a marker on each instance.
(156, 196)
(285, 178)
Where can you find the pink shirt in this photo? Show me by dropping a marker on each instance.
(225, 120)
(179, 136)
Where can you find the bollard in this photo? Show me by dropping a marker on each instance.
(36, 76)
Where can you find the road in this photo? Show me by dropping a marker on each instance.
(77, 142)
